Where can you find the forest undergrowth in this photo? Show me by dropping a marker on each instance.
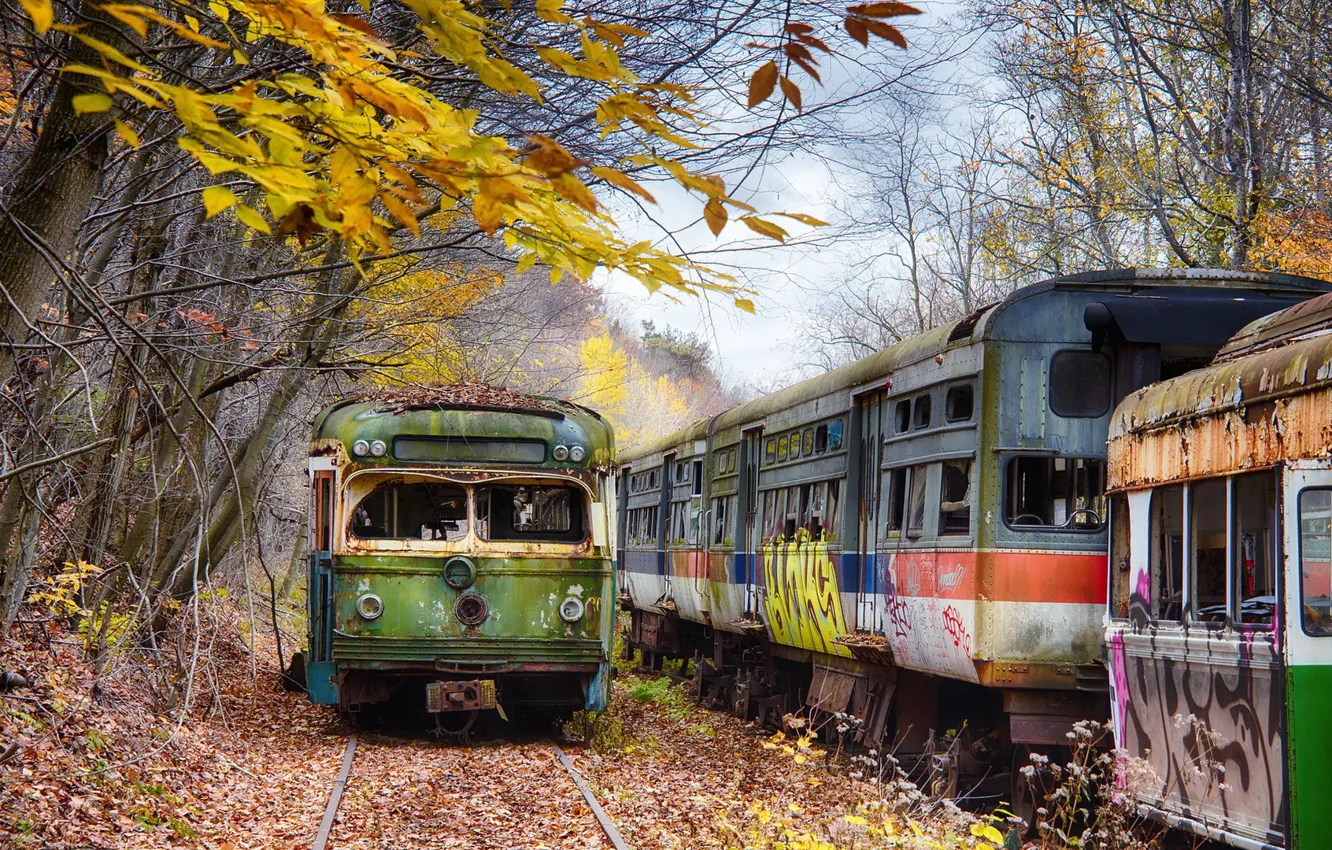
(193, 743)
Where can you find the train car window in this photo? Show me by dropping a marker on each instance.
(821, 439)
(1121, 547)
(774, 511)
(807, 442)
(400, 511)
(698, 478)
(1207, 550)
(902, 416)
(323, 510)
(834, 435)
(1254, 567)
(959, 403)
(783, 448)
(921, 412)
(916, 508)
(1316, 561)
(721, 510)
(795, 446)
(1080, 384)
(1166, 559)
(795, 509)
(1055, 493)
(770, 451)
(955, 498)
(530, 512)
(897, 481)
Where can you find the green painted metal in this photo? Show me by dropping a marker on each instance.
(561, 424)
(523, 596)
(1309, 744)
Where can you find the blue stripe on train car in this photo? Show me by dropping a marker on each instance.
(740, 568)
(848, 571)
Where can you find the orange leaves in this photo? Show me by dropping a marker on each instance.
(762, 83)
(715, 215)
(798, 43)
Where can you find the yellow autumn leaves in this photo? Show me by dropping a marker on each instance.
(361, 146)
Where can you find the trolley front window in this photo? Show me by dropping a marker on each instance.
(421, 511)
(533, 512)
(1055, 493)
(1316, 561)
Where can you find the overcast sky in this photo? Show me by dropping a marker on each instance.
(765, 350)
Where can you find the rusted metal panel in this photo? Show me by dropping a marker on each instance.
(1244, 414)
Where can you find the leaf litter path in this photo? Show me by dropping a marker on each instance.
(413, 793)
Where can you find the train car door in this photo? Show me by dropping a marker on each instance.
(748, 556)
(1307, 588)
(868, 457)
(664, 525)
(319, 589)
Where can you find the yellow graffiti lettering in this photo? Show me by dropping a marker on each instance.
(803, 606)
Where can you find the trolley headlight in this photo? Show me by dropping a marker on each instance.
(561, 452)
(571, 610)
(378, 448)
(370, 606)
(361, 447)
(577, 453)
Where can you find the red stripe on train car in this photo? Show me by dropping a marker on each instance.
(1001, 576)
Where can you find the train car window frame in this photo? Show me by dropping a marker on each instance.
(1008, 471)
(392, 489)
(1069, 392)
(1254, 563)
(576, 507)
(1167, 557)
(955, 513)
(821, 439)
(769, 451)
(921, 412)
(917, 499)
(807, 442)
(896, 501)
(1307, 623)
(902, 416)
(794, 452)
(1202, 540)
(835, 435)
(697, 480)
(954, 399)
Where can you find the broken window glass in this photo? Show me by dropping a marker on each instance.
(954, 498)
(530, 512)
(418, 511)
(1046, 492)
(916, 524)
(959, 403)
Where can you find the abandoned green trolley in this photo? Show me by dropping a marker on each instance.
(460, 557)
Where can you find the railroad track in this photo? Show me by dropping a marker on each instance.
(345, 773)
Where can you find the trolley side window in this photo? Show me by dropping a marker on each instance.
(1055, 493)
(532, 512)
(1316, 561)
(1254, 541)
(1207, 523)
(401, 511)
(1167, 554)
(955, 498)
(1080, 384)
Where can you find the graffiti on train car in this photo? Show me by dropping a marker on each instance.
(929, 608)
(803, 604)
(1205, 737)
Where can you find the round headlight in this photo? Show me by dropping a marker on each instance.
(571, 609)
(370, 606)
(471, 609)
(378, 448)
(361, 447)
(561, 452)
(577, 453)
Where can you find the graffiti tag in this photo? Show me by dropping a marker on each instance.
(957, 630)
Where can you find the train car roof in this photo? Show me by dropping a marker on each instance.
(1245, 410)
(1123, 314)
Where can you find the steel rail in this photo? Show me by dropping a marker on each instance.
(607, 825)
(335, 796)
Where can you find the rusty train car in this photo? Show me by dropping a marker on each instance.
(919, 539)
(1219, 627)
(461, 549)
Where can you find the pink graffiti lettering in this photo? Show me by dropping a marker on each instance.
(952, 623)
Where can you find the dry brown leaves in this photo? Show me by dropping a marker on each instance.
(466, 394)
(251, 766)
